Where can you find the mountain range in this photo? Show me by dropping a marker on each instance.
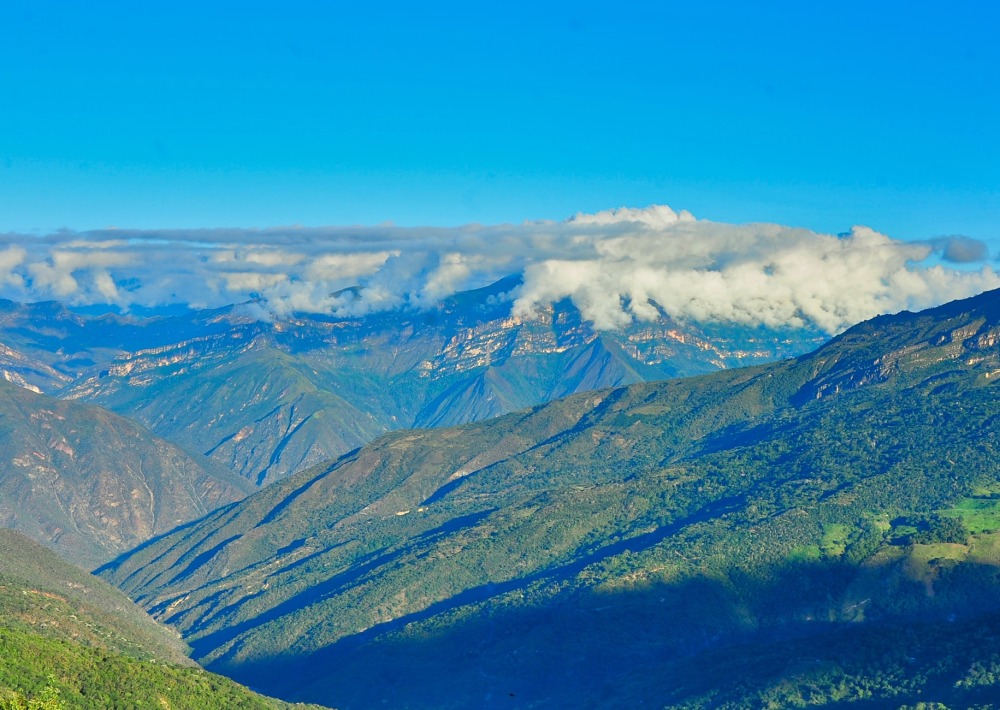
(819, 530)
(265, 397)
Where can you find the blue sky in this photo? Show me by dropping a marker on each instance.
(186, 115)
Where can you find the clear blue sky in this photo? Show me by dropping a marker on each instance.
(816, 114)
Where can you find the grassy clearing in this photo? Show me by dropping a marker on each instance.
(834, 540)
(979, 514)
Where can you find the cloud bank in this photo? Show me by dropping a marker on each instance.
(616, 266)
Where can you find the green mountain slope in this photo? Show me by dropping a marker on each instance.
(45, 595)
(70, 640)
(91, 484)
(631, 543)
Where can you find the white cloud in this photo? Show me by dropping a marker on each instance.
(11, 258)
(56, 275)
(250, 282)
(106, 286)
(345, 269)
(754, 274)
(656, 216)
(616, 265)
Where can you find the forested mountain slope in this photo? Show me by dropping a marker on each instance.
(91, 484)
(70, 640)
(642, 543)
(44, 594)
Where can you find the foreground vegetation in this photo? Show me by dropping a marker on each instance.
(49, 673)
(68, 640)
